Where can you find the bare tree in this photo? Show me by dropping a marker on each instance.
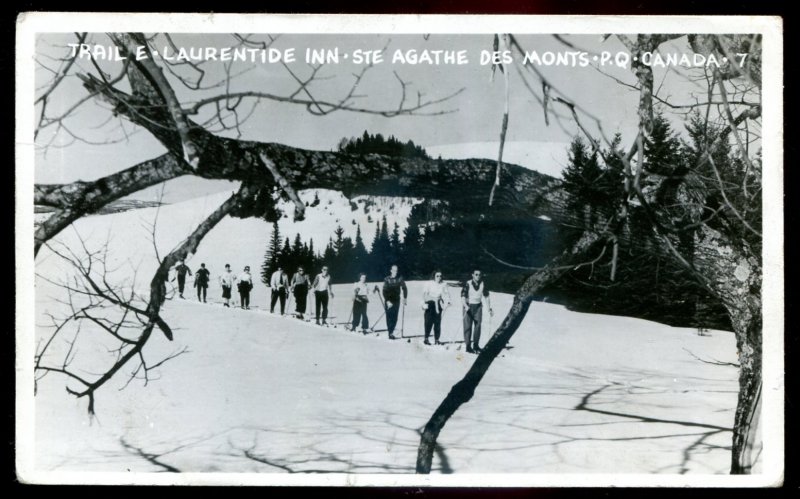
(718, 211)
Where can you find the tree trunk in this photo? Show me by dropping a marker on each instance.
(746, 436)
(734, 274)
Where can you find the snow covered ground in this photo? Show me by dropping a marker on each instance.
(576, 393)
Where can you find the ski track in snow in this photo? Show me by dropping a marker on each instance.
(261, 393)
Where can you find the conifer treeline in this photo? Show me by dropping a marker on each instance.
(433, 239)
(345, 257)
(377, 144)
(648, 283)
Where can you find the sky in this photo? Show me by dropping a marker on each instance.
(473, 114)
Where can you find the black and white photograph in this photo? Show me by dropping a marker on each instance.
(399, 250)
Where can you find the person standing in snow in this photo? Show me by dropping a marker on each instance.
(245, 284)
(392, 285)
(180, 273)
(279, 283)
(226, 281)
(201, 278)
(473, 294)
(435, 298)
(300, 291)
(360, 300)
(322, 291)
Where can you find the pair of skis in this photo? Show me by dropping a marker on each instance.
(309, 320)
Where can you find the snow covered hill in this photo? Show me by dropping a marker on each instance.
(577, 393)
(236, 241)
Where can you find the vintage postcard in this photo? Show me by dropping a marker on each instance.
(399, 250)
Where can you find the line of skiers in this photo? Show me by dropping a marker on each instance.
(243, 282)
(299, 286)
(393, 294)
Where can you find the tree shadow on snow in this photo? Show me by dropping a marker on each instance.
(366, 443)
(525, 424)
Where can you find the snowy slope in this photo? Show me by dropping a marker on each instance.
(260, 393)
(236, 241)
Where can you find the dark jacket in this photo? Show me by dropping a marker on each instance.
(202, 277)
(181, 271)
(392, 287)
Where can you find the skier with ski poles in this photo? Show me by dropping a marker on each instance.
(180, 272)
(473, 295)
(245, 284)
(322, 291)
(278, 284)
(435, 299)
(226, 281)
(360, 300)
(392, 285)
(201, 278)
(300, 291)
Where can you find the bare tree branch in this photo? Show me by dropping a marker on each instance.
(133, 41)
(81, 198)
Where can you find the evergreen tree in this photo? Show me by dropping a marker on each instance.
(394, 245)
(297, 253)
(272, 255)
(339, 241)
(581, 182)
(381, 251)
(285, 257)
(409, 255)
(662, 148)
(346, 262)
(329, 259)
(394, 238)
(373, 261)
(360, 255)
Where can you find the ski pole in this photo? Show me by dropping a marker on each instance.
(461, 326)
(350, 317)
(288, 302)
(402, 317)
(374, 291)
(379, 318)
(441, 319)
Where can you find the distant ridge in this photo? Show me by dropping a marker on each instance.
(549, 158)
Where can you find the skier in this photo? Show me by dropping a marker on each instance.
(360, 300)
(201, 278)
(279, 282)
(473, 294)
(322, 290)
(226, 281)
(180, 272)
(300, 291)
(435, 299)
(245, 284)
(392, 285)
